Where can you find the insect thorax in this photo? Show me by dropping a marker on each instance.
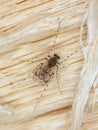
(53, 61)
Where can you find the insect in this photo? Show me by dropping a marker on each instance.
(46, 70)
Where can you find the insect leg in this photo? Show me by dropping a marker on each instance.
(39, 60)
(45, 87)
(68, 57)
(58, 80)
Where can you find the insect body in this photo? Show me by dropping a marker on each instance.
(45, 71)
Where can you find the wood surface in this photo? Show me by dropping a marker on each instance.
(27, 33)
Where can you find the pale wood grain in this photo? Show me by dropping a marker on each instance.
(27, 32)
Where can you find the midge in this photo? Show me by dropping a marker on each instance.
(46, 70)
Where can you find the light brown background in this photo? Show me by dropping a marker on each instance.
(27, 32)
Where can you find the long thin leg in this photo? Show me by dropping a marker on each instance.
(58, 81)
(39, 60)
(39, 99)
(69, 56)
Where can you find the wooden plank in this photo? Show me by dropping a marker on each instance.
(27, 33)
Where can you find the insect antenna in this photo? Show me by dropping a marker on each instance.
(55, 39)
(57, 32)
